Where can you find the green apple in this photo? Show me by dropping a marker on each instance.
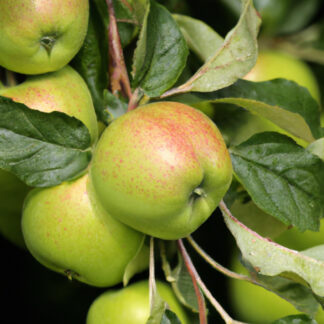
(63, 91)
(12, 195)
(162, 169)
(67, 230)
(272, 65)
(39, 36)
(130, 305)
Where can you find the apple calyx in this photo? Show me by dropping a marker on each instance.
(197, 193)
(71, 274)
(48, 42)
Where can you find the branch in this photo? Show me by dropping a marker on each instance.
(119, 80)
(194, 274)
(215, 264)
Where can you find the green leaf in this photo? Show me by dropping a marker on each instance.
(161, 52)
(127, 23)
(317, 148)
(271, 259)
(233, 60)
(41, 149)
(92, 61)
(180, 280)
(295, 319)
(298, 15)
(126, 17)
(282, 102)
(170, 318)
(200, 37)
(115, 106)
(253, 217)
(183, 286)
(283, 179)
(138, 263)
(299, 296)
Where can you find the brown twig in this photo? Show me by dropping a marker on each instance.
(193, 275)
(119, 80)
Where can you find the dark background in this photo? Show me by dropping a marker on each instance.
(32, 294)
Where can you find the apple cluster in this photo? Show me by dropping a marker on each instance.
(159, 170)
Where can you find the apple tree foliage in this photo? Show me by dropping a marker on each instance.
(285, 180)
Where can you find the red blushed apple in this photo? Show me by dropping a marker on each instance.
(161, 169)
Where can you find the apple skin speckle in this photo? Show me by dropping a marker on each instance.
(149, 161)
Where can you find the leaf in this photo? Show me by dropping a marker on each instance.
(160, 314)
(170, 318)
(317, 148)
(180, 280)
(183, 286)
(233, 60)
(200, 37)
(256, 219)
(283, 179)
(92, 62)
(299, 296)
(157, 310)
(283, 102)
(295, 319)
(161, 52)
(271, 259)
(126, 18)
(127, 23)
(115, 106)
(41, 149)
(138, 263)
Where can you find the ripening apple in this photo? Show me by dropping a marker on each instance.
(271, 65)
(68, 231)
(63, 91)
(162, 169)
(131, 305)
(39, 36)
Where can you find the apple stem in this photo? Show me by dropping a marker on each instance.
(133, 102)
(10, 78)
(197, 281)
(119, 80)
(193, 274)
(215, 264)
(152, 283)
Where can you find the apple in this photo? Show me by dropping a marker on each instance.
(63, 91)
(39, 36)
(162, 169)
(271, 65)
(131, 305)
(274, 64)
(12, 195)
(68, 231)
